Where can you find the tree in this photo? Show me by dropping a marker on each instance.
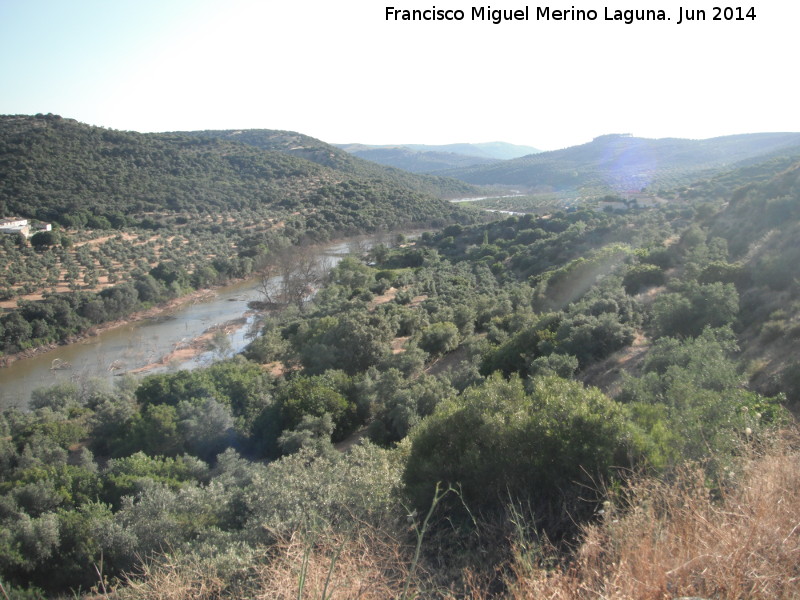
(563, 365)
(16, 332)
(155, 432)
(439, 338)
(353, 342)
(315, 396)
(312, 433)
(642, 276)
(291, 276)
(687, 312)
(591, 338)
(45, 239)
(206, 427)
(170, 272)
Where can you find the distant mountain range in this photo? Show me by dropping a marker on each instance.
(621, 163)
(422, 158)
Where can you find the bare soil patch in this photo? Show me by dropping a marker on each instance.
(189, 350)
(388, 296)
(398, 344)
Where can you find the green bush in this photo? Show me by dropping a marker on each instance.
(498, 444)
(642, 276)
(696, 306)
(439, 338)
(316, 396)
(690, 403)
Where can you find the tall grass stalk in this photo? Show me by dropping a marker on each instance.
(420, 533)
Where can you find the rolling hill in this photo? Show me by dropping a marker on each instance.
(418, 161)
(620, 163)
(422, 158)
(327, 155)
(58, 169)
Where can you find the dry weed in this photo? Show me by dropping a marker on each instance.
(335, 567)
(674, 540)
(173, 580)
(323, 565)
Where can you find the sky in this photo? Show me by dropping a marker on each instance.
(341, 72)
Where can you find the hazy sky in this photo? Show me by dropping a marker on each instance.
(341, 72)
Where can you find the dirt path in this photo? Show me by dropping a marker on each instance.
(606, 374)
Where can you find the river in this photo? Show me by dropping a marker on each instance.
(135, 345)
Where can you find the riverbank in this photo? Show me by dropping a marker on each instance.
(141, 315)
(171, 335)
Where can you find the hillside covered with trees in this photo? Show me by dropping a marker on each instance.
(501, 409)
(425, 158)
(57, 169)
(418, 161)
(317, 151)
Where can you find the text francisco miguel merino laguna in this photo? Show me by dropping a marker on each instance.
(546, 13)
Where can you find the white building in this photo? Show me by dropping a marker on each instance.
(37, 227)
(15, 225)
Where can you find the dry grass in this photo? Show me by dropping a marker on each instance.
(338, 568)
(368, 565)
(673, 540)
(171, 580)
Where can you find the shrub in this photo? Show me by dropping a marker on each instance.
(498, 444)
(642, 276)
(439, 338)
(316, 396)
(686, 313)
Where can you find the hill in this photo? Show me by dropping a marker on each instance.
(418, 161)
(761, 225)
(498, 150)
(327, 155)
(622, 163)
(487, 150)
(422, 158)
(57, 169)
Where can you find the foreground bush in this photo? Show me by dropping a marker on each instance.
(498, 443)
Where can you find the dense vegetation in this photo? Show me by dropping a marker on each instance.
(467, 360)
(314, 150)
(417, 161)
(59, 170)
(447, 418)
(491, 150)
